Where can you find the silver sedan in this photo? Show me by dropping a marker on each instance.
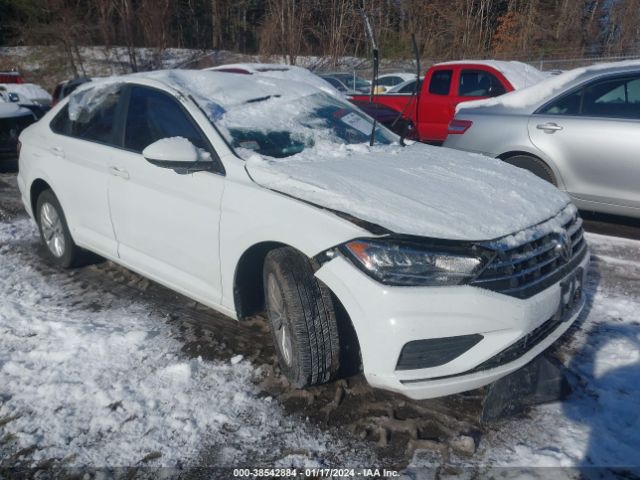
(579, 130)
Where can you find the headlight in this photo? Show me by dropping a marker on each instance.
(413, 264)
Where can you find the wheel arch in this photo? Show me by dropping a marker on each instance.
(248, 295)
(514, 153)
(248, 288)
(37, 187)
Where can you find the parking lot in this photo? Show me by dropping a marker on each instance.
(100, 366)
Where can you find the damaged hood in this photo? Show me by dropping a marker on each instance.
(416, 190)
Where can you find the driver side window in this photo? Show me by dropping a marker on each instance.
(153, 115)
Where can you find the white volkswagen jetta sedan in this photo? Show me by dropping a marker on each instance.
(442, 270)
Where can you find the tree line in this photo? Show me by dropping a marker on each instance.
(445, 29)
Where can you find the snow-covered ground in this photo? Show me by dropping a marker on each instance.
(90, 376)
(91, 379)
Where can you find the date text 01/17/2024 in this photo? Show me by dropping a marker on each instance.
(314, 473)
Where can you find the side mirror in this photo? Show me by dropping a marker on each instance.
(179, 154)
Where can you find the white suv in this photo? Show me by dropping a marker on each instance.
(440, 271)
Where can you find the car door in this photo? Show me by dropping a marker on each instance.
(592, 135)
(82, 149)
(435, 109)
(166, 223)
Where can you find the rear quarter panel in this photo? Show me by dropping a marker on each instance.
(497, 135)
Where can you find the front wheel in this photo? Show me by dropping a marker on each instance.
(302, 317)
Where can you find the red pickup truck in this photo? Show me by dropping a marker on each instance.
(10, 77)
(445, 85)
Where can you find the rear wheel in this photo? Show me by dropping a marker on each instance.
(302, 317)
(534, 165)
(54, 232)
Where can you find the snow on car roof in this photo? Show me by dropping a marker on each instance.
(520, 75)
(283, 72)
(215, 92)
(536, 94)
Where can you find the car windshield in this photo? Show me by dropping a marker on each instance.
(356, 84)
(276, 127)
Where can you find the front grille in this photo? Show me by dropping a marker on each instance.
(528, 268)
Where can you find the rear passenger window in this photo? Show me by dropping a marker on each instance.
(153, 115)
(617, 98)
(440, 83)
(611, 98)
(479, 83)
(92, 119)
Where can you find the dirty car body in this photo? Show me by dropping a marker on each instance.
(453, 269)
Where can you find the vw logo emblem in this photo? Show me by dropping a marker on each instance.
(563, 247)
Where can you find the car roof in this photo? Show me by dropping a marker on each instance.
(405, 75)
(213, 91)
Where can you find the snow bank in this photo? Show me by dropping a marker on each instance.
(418, 190)
(520, 75)
(540, 92)
(28, 92)
(96, 380)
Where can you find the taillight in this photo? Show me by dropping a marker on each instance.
(458, 127)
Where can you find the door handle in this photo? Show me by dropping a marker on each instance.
(549, 127)
(57, 151)
(119, 172)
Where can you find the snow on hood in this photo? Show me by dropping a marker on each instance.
(519, 74)
(538, 93)
(416, 190)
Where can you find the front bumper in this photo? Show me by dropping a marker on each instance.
(386, 318)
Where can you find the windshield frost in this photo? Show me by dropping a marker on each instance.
(276, 127)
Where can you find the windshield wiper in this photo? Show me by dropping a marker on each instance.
(262, 99)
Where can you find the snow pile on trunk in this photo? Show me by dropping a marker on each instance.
(520, 75)
(542, 91)
(418, 190)
(110, 387)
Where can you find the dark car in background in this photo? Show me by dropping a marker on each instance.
(13, 119)
(386, 116)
